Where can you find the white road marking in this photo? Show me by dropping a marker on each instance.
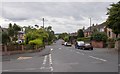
(87, 51)
(51, 49)
(23, 58)
(118, 64)
(51, 68)
(80, 53)
(50, 62)
(45, 59)
(50, 59)
(20, 69)
(59, 48)
(98, 58)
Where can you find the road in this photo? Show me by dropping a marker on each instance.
(59, 58)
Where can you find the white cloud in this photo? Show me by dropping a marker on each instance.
(67, 17)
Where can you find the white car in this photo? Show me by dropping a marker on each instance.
(80, 44)
(67, 44)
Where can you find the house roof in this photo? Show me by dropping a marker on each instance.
(96, 26)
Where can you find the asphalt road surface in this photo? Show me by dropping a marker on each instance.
(59, 58)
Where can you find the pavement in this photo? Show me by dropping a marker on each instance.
(59, 58)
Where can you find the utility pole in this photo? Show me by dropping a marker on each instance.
(43, 37)
(43, 22)
(90, 25)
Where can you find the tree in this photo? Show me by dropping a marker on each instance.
(113, 20)
(80, 33)
(10, 31)
(16, 29)
(13, 31)
(5, 40)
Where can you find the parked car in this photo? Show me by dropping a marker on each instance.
(67, 44)
(62, 43)
(83, 45)
(88, 46)
(80, 44)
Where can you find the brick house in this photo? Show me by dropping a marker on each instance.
(90, 30)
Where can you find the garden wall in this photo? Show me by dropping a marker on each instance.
(97, 44)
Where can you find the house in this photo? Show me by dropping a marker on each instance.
(93, 28)
(21, 37)
(101, 28)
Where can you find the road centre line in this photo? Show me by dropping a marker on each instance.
(50, 59)
(98, 58)
(45, 60)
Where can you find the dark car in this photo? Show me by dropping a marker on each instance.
(88, 46)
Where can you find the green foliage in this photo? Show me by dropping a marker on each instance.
(80, 33)
(13, 31)
(113, 20)
(46, 34)
(83, 39)
(111, 40)
(36, 42)
(66, 39)
(5, 38)
(118, 39)
(99, 36)
(61, 36)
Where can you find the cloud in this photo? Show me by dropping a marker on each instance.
(62, 16)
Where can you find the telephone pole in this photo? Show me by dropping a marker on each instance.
(90, 25)
(43, 22)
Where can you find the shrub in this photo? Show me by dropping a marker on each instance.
(66, 39)
(83, 39)
(99, 36)
(118, 39)
(36, 42)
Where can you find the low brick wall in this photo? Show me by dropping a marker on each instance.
(97, 44)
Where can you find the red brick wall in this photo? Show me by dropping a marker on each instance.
(97, 44)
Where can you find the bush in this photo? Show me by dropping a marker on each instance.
(36, 42)
(118, 39)
(99, 36)
(111, 40)
(83, 39)
(111, 43)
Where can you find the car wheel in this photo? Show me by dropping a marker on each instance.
(91, 48)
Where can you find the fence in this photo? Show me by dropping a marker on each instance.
(20, 47)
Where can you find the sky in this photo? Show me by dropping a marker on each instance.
(62, 16)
